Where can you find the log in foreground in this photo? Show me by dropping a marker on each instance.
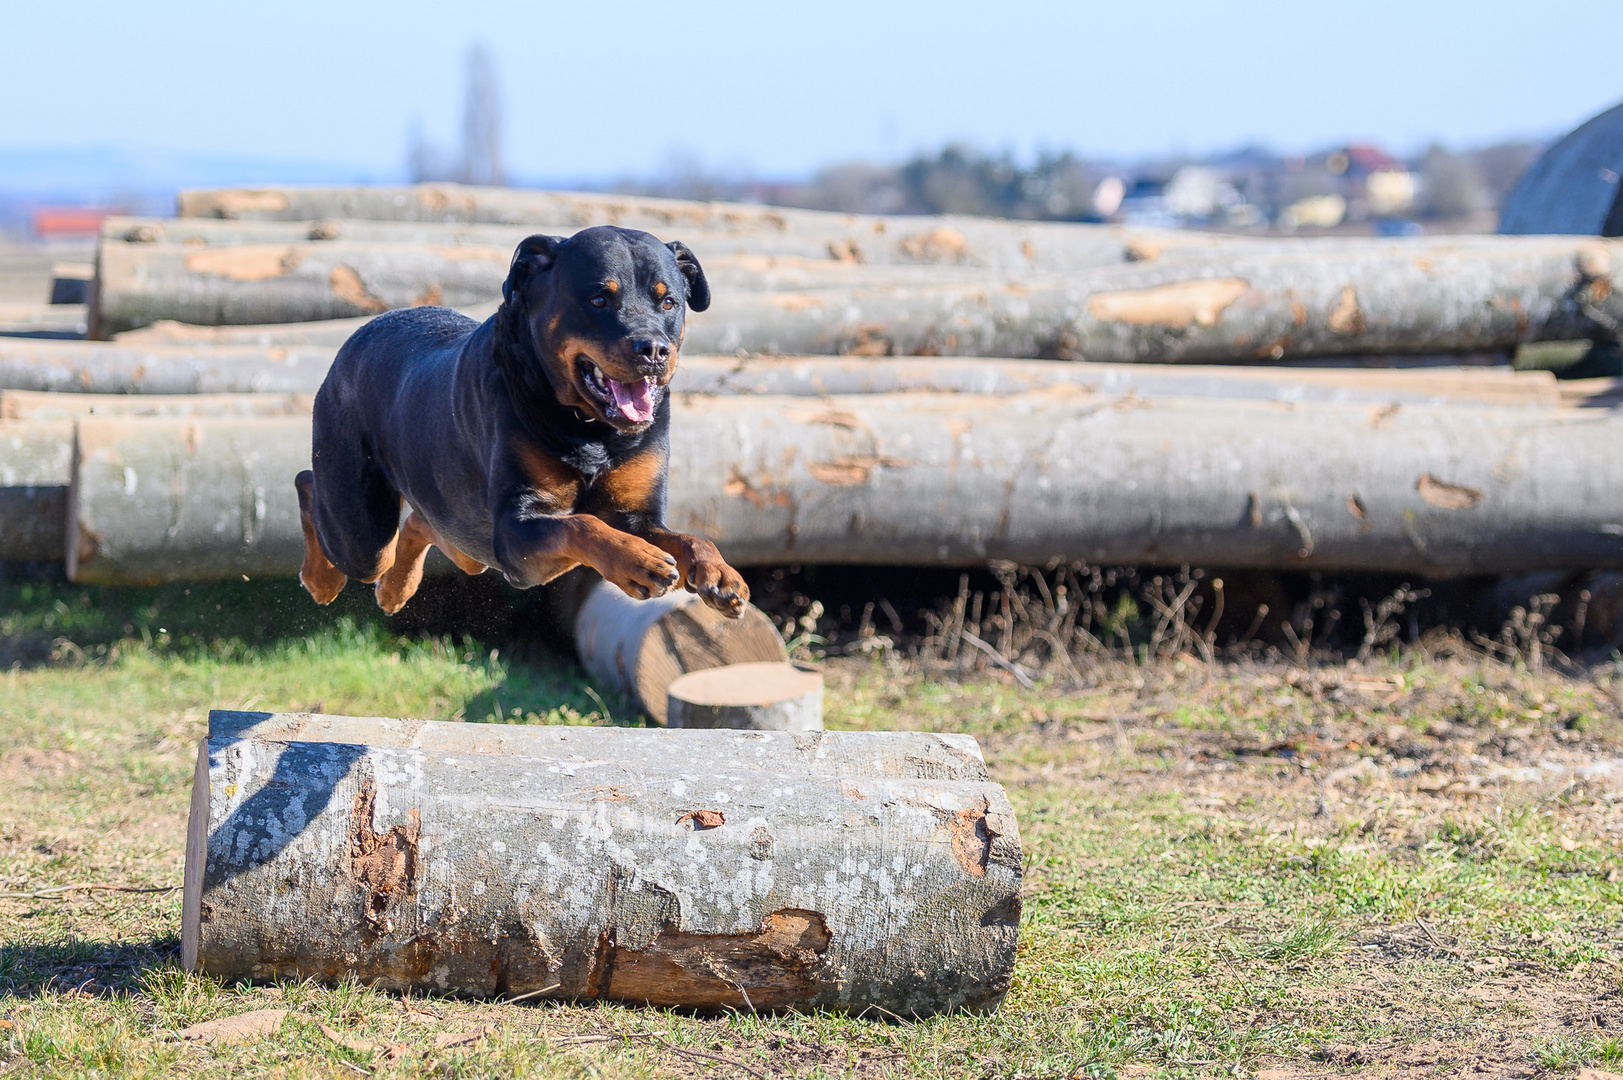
(960, 479)
(923, 755)
(639, 647)
(671, 884)
(759, 697)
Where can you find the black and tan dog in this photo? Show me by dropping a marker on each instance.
(534, 442)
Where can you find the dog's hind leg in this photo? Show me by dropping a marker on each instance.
(320, 578)
(400, 581)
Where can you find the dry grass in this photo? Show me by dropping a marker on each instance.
(1407, 866)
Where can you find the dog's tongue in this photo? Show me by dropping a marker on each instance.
(634, 400)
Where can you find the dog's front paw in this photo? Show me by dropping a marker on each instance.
(641, 569)
(719, 585)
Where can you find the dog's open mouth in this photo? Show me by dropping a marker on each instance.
(632, 400)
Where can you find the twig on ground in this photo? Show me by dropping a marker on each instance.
(58, 892)
(532, 994)
(701, 1054)
(998, 658)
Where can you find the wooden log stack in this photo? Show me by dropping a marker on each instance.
(755, 871)
(892, 450)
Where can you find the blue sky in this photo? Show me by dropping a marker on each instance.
(598, 90)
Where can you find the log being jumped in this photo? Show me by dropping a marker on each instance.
(669, 884)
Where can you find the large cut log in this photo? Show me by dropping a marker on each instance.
(758, 697)
(119, 368)
(950, 240)
(36, 464)
(675, 883)
(138, 284)
(978, 243)
(920, 754)
(1376, 296)
(959, 479)
(639, 647)
(1379, 297)
(103, 368)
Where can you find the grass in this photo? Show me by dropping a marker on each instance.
(1404, 868)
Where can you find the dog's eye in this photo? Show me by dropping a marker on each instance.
(599, 301)
(668, 303)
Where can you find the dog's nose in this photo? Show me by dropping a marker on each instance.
(651, 354)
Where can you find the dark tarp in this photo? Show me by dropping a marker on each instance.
(1573, 187)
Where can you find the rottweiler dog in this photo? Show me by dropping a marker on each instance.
(534, 442)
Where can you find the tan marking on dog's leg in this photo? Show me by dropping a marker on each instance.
(320, 578)
(399, 582)
(704, 571)
(460, 559)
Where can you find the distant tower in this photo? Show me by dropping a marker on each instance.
(481, 121)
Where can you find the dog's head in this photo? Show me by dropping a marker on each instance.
(604, 312)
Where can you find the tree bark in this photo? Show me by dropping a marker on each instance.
(36, 464)
(960, 479)
(639, 647)
(758, 697)
(672, 884)
(923, 755)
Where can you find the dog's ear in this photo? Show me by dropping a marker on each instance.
(534, 255)
(688, 263)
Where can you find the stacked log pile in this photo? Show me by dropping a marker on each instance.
(1143, 406)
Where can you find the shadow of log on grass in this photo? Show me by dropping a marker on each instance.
(94, 967)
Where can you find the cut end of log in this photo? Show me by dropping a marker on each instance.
(197, 853)
(640, 646)
(761, 696)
